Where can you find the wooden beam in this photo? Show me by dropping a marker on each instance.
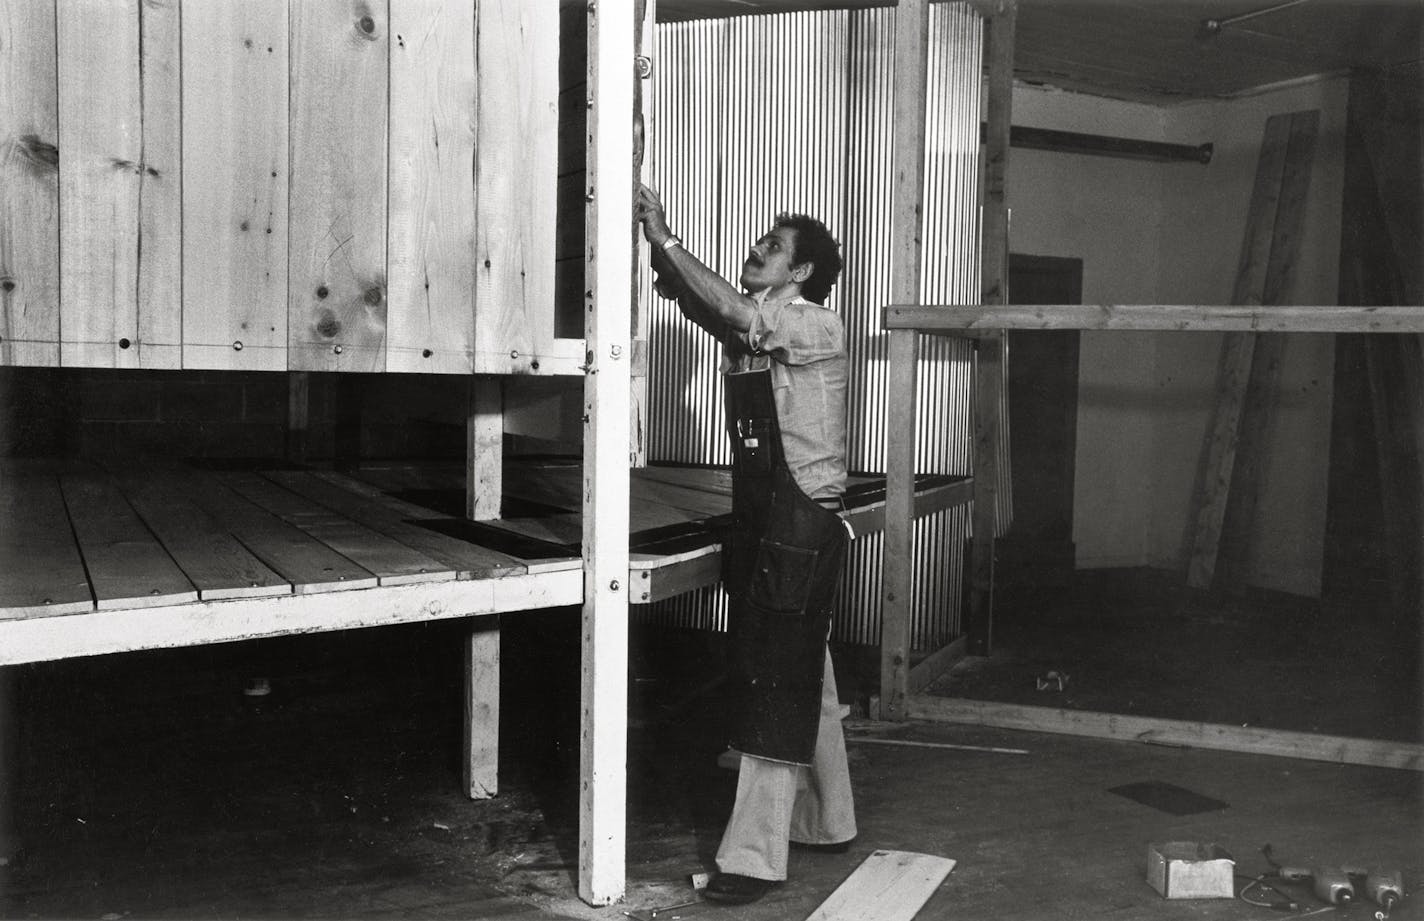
(906, 219)
(9, 766)
(1267, 264)
(43, 639)
(1178, 733)
(991, 364)
(480, 764)
(1325, 318)
(607, 382)
(484, 449)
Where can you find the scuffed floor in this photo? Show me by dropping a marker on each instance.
(155, 789)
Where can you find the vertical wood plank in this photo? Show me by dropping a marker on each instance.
(604, 733)
(484, 449)
(119, 184)
(1278, 177)
(643, 108)
(337, 273)
(235, 184)
(29, 185)
(431, 247)
(1259, 403)
(516, 176)
(160, 205)
(991, 358)
(480, 765)
(10, 844)
(906, 256)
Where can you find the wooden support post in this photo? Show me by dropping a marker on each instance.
(346, 440)
(484, 449)
(298, 415)
(991, 357)
(907, 193)
(480, 764)
(607, 379)
(9, 765)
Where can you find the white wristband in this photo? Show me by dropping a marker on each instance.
(671, 242)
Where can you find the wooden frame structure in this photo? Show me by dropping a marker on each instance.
(987, 324)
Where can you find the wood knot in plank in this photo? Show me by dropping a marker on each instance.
(327, 325)
(40, 156)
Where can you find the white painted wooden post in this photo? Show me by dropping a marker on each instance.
(603, 765)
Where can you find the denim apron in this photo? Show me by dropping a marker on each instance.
(781, 567)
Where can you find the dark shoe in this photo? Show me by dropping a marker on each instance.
(735, 889)
(839, 847)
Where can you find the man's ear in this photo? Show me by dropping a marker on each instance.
(800, 273)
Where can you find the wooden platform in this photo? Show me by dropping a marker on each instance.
(119, 559)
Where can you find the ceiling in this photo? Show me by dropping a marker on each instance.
(1161, 51)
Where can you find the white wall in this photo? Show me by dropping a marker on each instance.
(1172, 233)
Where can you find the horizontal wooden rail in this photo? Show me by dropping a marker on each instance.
(972, 319)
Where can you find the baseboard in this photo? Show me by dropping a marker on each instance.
(1176, 733)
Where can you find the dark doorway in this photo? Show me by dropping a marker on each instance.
(1043, 419)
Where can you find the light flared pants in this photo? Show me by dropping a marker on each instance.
(779, 802)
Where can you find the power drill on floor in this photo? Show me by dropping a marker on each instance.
(1337, 885)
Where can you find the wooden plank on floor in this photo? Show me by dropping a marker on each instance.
(392, 562)
(887, 886)
(128, 567)
(215, 561)
(308, 564)
(470, 561)
(41, 572)
(706, 479)
(1180, 733)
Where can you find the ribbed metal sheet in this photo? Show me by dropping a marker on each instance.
(792, 112)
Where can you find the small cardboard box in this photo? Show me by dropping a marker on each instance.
(1188, 870)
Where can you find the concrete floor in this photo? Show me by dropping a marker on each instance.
(155, 789)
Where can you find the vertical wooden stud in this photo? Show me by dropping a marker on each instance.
(907, 194)
(29, 185)
(119, 184)
(642, 276)
(603, 752)
(432, 195)
(337, 272)
(484, 449)
(991, 356)
(235, 131)
(9, 765)
(480, 764)
(298, 415)
(516, 174)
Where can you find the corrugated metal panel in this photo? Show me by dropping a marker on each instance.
(792, 112)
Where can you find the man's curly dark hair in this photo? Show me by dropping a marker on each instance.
(814, 244)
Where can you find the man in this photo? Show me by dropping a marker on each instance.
(785, 369)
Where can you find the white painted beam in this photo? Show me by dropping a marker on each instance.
(606, 462)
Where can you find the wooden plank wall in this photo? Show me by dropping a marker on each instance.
(280, 185)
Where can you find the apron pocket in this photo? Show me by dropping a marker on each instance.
(781, 581)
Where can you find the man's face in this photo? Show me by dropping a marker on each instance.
(771, 265)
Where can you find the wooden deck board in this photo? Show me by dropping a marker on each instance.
(217, 564)
(40, 570)
(128, 567)
(306, 562)
(391, 561)
(468, 560)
